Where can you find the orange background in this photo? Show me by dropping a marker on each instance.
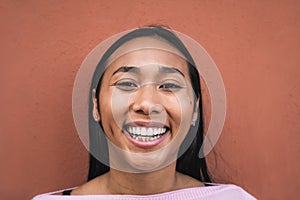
(255, 44)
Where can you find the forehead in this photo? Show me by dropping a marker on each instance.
(145, 51)
(143, 43)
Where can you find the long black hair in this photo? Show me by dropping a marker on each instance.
(189, 162)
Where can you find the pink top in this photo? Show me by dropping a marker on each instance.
(215, 192)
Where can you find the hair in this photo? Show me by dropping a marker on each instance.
(189, 163)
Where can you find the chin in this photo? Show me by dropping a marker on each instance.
(132, 162)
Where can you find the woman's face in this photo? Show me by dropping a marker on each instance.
(146, 99)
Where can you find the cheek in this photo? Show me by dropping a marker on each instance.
(180, 108)
(186, 111)
(104, 103)
(181, 112)
(116, 103)
(174, 108)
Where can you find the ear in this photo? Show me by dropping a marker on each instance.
(96, 114)
(195, 114)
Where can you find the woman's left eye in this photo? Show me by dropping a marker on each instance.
(169, 86)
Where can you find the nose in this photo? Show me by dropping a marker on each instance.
(146, 100)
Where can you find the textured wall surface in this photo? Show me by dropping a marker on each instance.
(255, 44)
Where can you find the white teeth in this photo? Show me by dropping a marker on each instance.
(143, 131)
(145, 134)
(150, 131)
(138, 131)
(145, 139)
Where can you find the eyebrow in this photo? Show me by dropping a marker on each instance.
(170, 70)
(126, 69)
(136, 70)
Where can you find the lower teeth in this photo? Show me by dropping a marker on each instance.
(145, 139)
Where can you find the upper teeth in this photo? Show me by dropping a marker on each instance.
(146, 131)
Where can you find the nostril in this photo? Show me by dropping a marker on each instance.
(147, 108)
(158, 108)
(145, 101)
(140, 111)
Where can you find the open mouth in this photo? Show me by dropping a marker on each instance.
(146, 134)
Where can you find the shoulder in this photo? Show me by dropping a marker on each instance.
(213, 192)
(97, 185)
(226, 191)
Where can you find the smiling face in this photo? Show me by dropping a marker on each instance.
(146, 102)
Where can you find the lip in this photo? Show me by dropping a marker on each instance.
(146, 124)
(146, 144)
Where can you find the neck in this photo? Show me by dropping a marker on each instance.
(163, 180)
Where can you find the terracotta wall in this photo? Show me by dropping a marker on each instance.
(255, 44)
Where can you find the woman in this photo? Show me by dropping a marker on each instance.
(146, 99)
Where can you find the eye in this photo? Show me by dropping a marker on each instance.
(126, 85)
(170, 86)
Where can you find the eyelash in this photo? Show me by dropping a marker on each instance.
(126, 85)
(131, 85)
(171, 87)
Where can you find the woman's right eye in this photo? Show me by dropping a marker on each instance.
(126, 85)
